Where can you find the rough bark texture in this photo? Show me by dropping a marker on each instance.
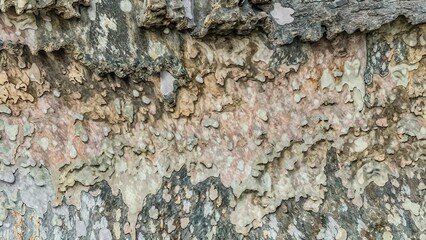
(214, 119)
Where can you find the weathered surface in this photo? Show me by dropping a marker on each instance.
(168, 119)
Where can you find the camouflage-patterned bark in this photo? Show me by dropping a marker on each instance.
(220, 119)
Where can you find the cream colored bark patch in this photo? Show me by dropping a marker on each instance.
(282, 15)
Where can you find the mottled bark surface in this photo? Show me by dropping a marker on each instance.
(221, 119)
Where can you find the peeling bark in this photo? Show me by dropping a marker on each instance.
(253, 119)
